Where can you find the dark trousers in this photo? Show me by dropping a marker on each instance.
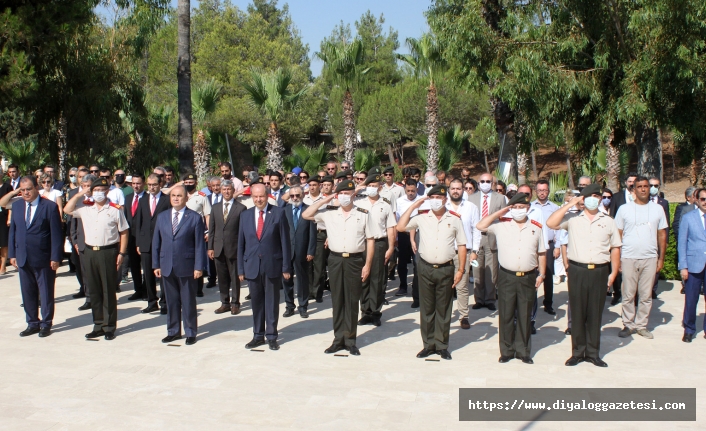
(318, 282)
(515, 294)
(692, 289)
(549, 277)
(264, 299)
(405, 255)
(617, 284)
(435, 304)
(373, 289)
(228, 281)
(38, 284)
(151, 282)
(75, 259)
(212, 272)
(181, 302)
(101, 276)
(346, 286)
(135, 267)
(300, 284)
(587, 293)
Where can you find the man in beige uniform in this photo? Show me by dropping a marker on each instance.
(439, 231)
(105, 230)
(350, 239)
(198, 202)
(520, 251)
(382, 219)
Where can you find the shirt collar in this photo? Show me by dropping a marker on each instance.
(35, 202)
(181, 211)
(230, 202)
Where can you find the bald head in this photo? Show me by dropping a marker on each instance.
(258, 193)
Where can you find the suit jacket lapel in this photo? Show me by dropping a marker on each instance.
(36, 214)
(268, 218)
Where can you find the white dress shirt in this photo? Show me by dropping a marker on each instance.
(403, 204)
(230, 205)
(470, 216)
(180, 215)
(32, 211)
(116, 196)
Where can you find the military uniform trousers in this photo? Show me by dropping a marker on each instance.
(405, 255)
(346, 287)
(318, 281)
(515, 293)
(373, 289)
(587, 294)
(181, 302)
(228, 280)
(435, 303)
(485, 275)
(100, 277)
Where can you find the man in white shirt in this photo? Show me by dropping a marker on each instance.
(547, 207)
(406, 251)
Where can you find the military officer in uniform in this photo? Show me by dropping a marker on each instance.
(389, 185)
(594, 259)
(439, 232)
(521, 251)
(352, 247)
(382, 219)
(198, 202)
(105, 232)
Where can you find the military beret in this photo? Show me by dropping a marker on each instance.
(372, 178)
(439, 189)
(100, 182)
(259, 180)
(344, 174)
(315, 178)
(519, 198)
(345, 185)
(389, 169)
(297, 170)
(375, 170)
(591, 189)
(190, 177)
(327, 179)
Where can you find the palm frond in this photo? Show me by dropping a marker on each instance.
(425, 56)
(270, 93)
(204, 99)
(343, 62)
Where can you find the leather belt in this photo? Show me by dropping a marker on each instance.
(518, 273)
(347, 254)
(484, 233)
(438, 265)
(321, 230)
(381, 239)
(589, 265)
(102, 247)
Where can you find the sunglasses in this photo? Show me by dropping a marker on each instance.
(608, 197)
(429, 185)
(486, 181)
(304, 177)
(388, 174)
(499, 190)
(94, 172)
(295, 196)
(71, 176)
(468, 188)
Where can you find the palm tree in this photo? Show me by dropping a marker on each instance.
(343, 64)
(311, 159)
(426, 61)
(269, 92)
(204, 100)
(24, 153)
(185, 136)
(450, 147)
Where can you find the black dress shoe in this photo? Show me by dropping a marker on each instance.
(44, 332)
(199, 294)
(190, 341)
(573, 361)
(477, 306)
(163, 310)
(425, 352)
(385, 302)
(567, 331)
(78, 295)
(616, 300)
(247, 297)
(415, 304)
(109, 336)
(289, 312)
(303, 314)
(135, 297)
(533, 330)
(550, 311)
(255, 343)
(95, 334)
(210, 285)
(117, 289)
(150, 309)
(334, 348)
(273, 344)
(354, 351)
(170, 338)
(319, 300)
(401, 292)
(687, 338)
(505, 359)
(85, 306)
(491, 307)
(444, 354)
(527, 360)
(654, 295)
(31, 330)
(377, 321)
(365, 320)
(597, 362)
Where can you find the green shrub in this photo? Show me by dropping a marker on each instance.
(670, 271)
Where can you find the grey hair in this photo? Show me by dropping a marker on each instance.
(212, 179)
(227, 183)
(73, 169)
(159, 168)
(689, 191)
(347, 162)
(584, 176)
(431, 178)
(88, 178)
(253, 176)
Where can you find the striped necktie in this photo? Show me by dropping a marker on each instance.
(175, 222)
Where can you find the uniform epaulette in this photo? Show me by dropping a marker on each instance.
(423, 211)
(202, 193)
(536, 223)
(455, 213)
(331, 207)
(387, 200)
(363, 210)
(115, 206)
(505, 218)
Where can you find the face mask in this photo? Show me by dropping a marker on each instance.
(435, 204)
(653, 191)
(591, 202)
(518, 214)
(606, 202)
(344, 200)
(120, 178)
(98, 196)
(485, 187)
(371, 191)
(296, 204)
(190, 188)
(72, 179)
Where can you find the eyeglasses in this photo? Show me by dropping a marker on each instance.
(304, 177)
(468, 188)
(345, 167)
(94, 172)
(486, 181)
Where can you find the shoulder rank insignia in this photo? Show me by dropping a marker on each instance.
(331, 207)
(363, 210)
(505, 218)
(386, 200)
(423, 211)
(455, 213)
(202, 193)
(536, 223)
(115, 205)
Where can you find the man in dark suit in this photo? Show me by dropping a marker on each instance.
(275, 189)
(71, 232)
(223, 247)
(145, 220)
(36, 244)
(78, 239)
(655, 185)
(131, 207)
(264, 258)
(215, 197)
(302, 235)
(682, 209)
(178, 257)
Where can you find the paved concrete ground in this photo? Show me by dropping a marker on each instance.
(135, 382)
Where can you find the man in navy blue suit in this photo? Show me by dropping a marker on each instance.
(264, 258)
(692, 261)
(178, 258)
(35, 248)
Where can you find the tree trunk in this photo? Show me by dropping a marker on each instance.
(612, 163)
(569, 173)
(432, 129)
(274, 148)
(485, 157)
(62, 147)
(694, 172)
(185, 134)
(649, 151)
(202, 157)
(505, 126)
(391, 154)
(131, 154)
(349, 128)
(521, 168)
(535, 175)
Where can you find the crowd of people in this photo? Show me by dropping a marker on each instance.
(297, 234)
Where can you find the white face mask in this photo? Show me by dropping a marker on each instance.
(485, 187)
(371, 191)
(435, 204)
(591, 202)
(518, 214)
(98, 196)
(344, 200)
(72, 179)
(654, 190)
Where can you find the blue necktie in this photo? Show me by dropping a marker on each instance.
(296, 217)
(28, 220)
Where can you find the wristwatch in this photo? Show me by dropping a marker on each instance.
(474, 251)
(123, 254)
(540, 275)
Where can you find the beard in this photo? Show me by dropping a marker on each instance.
(456, 200)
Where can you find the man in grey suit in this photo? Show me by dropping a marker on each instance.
(302, 235)
(223, 246)
(486, 273)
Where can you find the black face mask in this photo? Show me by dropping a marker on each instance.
(190, 188)
(120, 178)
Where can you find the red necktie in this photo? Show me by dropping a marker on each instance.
(134, 205)
(260, 224)
(485, 206)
